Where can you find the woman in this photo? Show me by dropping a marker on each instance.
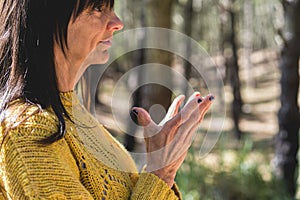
(51, 147)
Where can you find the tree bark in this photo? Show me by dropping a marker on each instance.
(188, 19)
(158, 14)
(155, 14)
(287, 140)
(232, 67)
(234, 78)
(138, 59)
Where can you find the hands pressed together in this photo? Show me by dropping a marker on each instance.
(167, 143)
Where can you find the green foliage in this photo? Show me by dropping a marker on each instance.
(229, 174)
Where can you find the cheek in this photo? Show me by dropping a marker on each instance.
(79, 44)
(78, 34)
(87, 39)
(84, 36)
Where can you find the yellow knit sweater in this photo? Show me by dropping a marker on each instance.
(88, 163)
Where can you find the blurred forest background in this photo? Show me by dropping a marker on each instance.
(256, 46)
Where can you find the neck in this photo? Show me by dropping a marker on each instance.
(66, 71)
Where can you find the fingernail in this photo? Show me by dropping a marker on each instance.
(135, 111)
(199, 100)
(211, 98)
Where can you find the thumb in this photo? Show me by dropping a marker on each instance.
(144, 119)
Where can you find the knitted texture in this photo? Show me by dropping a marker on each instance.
(88, 163)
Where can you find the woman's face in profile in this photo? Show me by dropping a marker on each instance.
(90, 36)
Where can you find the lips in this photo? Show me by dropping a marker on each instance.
(107, 42)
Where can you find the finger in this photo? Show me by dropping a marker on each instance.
(175, 106)
(203, 109)
(205, 105)
(198, 116)
(186, 111)
(173, 109)
(195, 94)
(144, 119)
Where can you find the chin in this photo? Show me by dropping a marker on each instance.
(102, 59)
(97, 58)
(105, 57)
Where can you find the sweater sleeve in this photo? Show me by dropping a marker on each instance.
(150, 187)
(34, 171)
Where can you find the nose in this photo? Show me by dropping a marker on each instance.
(115, 24)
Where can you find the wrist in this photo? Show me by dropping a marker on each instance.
(168, 178)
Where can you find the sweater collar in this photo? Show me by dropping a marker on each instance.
(69, 99)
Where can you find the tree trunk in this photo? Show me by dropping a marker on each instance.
(287, 141)
(158, 14)
(139, 59)
(232, 67)
(234, 78)
(188, 19)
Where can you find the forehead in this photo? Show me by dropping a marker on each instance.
(82, 5)
(88, 3)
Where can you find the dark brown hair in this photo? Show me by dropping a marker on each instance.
(28, 30)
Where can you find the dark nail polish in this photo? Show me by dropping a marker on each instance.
(134, 116)
(211, 98)
(135, 112)
(199, 100)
